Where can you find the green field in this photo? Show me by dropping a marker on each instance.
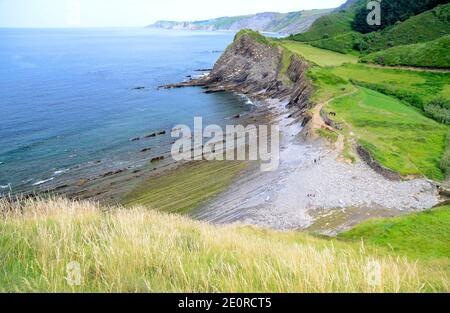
(418, 86)
(140, 250)
(184, 189)
(318, 56)
(397, 135)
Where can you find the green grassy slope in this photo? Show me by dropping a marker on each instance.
(424, 27)
(392, 12)
(350, 42)
(414, 87)
(421, 28)
(397, 135)
(422, 235)
(429, 54)
(327, 27)
(140, 250)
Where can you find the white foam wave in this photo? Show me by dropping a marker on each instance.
(59, 172)
(41, 182)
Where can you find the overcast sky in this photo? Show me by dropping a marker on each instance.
(124, 13)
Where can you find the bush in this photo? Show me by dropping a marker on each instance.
(439, 110)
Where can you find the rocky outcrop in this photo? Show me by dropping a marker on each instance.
(253, 66)
(377, 167)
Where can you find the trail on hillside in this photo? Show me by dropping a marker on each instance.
(310, 182)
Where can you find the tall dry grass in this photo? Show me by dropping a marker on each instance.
(138, 250)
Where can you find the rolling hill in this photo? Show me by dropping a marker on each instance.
(337, 31)
(429, 54)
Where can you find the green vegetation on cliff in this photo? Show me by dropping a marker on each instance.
(255, 35)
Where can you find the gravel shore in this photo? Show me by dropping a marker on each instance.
(311, 181)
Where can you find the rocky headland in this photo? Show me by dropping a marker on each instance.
(253, 66)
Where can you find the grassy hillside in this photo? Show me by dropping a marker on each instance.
(398, 136)
(428, 234)
(429, 54)
(392, 12)
(348, 43)
(416, 88)
(421, 28)
(327, 26)
(424, 27)
(137, 250)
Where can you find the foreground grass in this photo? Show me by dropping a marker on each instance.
(397, 135)
(319, 56)
(184, 189)
(137, 250)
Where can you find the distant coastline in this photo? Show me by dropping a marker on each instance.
(267, 22)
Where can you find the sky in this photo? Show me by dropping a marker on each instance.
(137, 13)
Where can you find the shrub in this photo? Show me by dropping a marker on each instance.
(445, 163)
(439, 110)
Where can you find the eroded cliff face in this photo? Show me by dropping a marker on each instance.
(247, 66)
(254, 66)
(257, 69)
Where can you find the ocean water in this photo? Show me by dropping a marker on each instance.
(68, 99)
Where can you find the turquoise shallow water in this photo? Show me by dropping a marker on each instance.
(67, 98)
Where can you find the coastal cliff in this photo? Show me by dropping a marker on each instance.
(285, 23)
(261, 69)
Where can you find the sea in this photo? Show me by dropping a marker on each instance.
(72, 100)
